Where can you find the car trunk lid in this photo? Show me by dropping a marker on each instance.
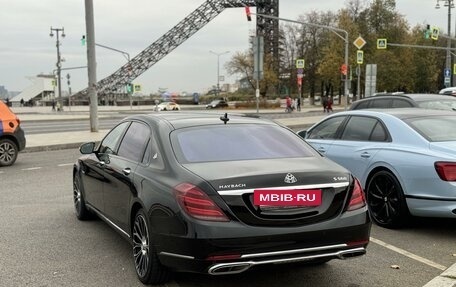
(237, 182)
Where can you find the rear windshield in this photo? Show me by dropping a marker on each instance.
(435, 129)
(237, 142)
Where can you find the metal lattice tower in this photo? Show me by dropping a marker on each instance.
(269, 29)
(191, 24)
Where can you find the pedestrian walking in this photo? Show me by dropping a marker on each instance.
(289, 107)
(53, 105)
(324, 102)
(298, 108)
(329, 105)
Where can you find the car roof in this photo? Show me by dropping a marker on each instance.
(414, 97)
(190, 119)
(410, 96)
(426, 96)
(401, 113)
(447, 89)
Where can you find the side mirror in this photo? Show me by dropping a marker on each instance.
(87, 148)
(302, 133)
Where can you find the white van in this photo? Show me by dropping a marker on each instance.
(451, 91)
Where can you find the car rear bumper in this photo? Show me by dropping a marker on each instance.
(246, 261)
(234, 253)
(20, 136)
(432, 208)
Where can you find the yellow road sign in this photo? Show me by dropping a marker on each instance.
(359, 57)
(382, 43)
(435, 33)
(300, 64)
(359, 42)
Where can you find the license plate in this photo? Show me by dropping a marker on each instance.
(282, 197)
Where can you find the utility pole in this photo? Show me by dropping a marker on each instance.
(127, 56)
(91, 65)
(218, 70)
(69, 91)
(450, 5)
(58, 64)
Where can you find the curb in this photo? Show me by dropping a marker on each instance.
(52, 147)
(446, 279)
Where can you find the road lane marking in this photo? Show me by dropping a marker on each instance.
(32, 168)
(65, 164)
(408, 254)
(1, 171)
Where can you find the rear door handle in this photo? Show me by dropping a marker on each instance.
(365, 155)
(126, 171)
(322, 149)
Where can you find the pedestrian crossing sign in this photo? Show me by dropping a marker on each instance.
(382, 43)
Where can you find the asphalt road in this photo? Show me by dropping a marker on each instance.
(53, 126)
(56, 126)
(43, 244)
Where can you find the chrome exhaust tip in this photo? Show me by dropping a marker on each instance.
(347, 254)
(229, 268)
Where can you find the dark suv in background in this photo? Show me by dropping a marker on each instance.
(392, 101)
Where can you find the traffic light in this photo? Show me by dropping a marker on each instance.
(344, 69)
(130, 88)
(83, 40)
(247, 12)
(427, 32)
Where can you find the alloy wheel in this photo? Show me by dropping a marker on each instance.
(385, 200)
(8, 153)
(141, 245)
(77, 195)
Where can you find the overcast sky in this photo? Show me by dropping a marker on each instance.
(26, 49)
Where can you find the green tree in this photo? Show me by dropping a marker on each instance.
(242, 64)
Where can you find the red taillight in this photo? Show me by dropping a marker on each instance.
(197, 204)
(223, 257)
(357, 199)
(357, 243)
(446, 170)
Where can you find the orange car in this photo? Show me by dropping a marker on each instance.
(12, 139)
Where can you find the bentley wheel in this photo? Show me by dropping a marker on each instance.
(386, 202)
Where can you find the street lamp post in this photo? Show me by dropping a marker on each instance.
(127, 56)
(218, 69)
(450, 5)
(59, 63)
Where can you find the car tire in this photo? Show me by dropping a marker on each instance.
(8, 152)
(82, 212)
(147, 265)
(386, 201)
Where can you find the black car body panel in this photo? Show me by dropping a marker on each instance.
(116, 187)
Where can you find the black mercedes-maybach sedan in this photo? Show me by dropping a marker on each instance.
(218, 194)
